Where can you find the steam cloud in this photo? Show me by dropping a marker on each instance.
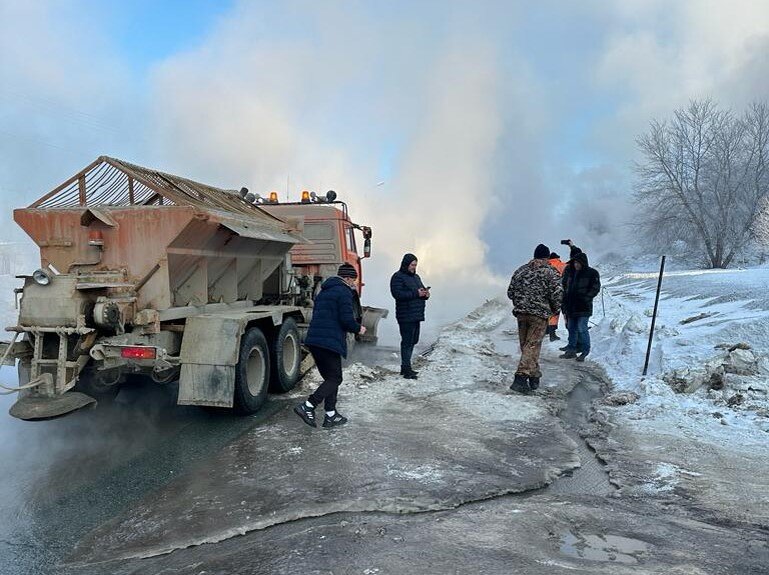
(494, 127)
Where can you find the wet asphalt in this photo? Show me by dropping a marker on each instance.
(62, 477)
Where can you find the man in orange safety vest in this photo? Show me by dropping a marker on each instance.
(552, 324)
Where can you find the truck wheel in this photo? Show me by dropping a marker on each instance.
(103, 387)
(285, 356)
(252, 373)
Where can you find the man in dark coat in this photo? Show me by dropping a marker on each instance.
(566, 274)
(581, 284)
(535, 290)
(332, 320)
(410, 296)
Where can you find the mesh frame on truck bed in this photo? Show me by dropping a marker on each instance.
(112, 182)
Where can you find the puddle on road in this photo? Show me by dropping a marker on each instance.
(603, 547)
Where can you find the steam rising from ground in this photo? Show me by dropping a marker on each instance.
(279, 123)
(494, 126)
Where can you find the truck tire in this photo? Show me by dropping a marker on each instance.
(285, 357)
(102, 388)
(252, 372)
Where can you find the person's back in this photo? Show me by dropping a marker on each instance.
(557, 263)
(332, 317)
(552, 327)
(535, 290)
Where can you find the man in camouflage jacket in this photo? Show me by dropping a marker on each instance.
(536, 292)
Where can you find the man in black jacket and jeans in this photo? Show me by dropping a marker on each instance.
(410, 296)
(581, 284)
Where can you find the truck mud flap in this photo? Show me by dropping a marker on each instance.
(33, 407)
(371, 317)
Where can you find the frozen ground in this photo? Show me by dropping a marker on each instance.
(455, 436)
(452, 473)
(709, 446)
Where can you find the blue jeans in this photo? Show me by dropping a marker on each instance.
(578, 332)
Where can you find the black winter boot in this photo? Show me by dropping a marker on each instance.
(554, 336)
(520, 384)
(533, 383)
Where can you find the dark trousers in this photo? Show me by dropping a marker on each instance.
(409, 338)
(330, 368)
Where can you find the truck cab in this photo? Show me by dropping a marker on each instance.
(332, 238)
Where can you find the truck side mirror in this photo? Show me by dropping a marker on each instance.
(367, 248)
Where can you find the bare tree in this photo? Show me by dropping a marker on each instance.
(761, 225)
(703, 179)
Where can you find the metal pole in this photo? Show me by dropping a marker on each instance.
(603, 305)
(654, 315)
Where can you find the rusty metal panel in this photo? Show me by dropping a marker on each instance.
(137, 243)
(321, 228)
(212, 385)
(207, 245)
(248, 230)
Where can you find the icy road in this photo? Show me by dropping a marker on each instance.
(452, 473)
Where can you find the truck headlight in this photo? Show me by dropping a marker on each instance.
(41, 277)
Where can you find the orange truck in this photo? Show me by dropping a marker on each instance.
(148, 273)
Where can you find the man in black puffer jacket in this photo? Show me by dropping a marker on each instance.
(581, 284)
(410, 296)
(332, 320)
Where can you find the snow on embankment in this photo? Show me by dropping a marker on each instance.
(699, 426)
(711, 340)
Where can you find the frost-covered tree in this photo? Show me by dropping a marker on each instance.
(761, 225)
(703, 178)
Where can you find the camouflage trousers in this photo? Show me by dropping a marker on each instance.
(531, 331)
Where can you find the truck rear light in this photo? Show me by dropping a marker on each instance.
(137, 352)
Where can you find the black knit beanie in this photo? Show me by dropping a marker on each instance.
(542, 252)
(347, 271)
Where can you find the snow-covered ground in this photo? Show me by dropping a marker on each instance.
(700, 426)
(700, 313)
